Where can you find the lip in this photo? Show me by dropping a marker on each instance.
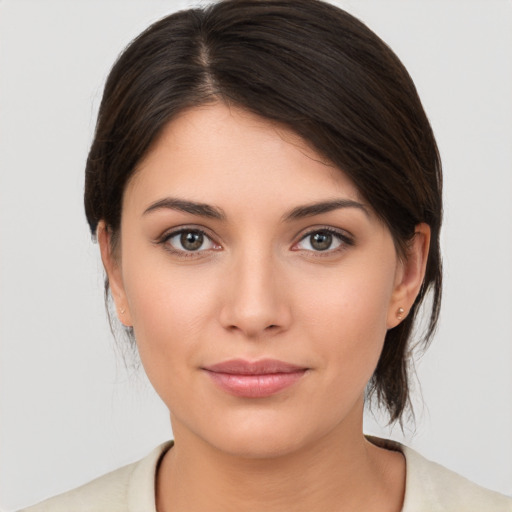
(254, 379)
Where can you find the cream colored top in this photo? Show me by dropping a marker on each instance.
(429, 488)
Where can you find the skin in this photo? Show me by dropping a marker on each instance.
(259, 288)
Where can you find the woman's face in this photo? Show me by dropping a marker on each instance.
(258, 282)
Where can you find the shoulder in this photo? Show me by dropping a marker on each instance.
(434, 488)
(131, 487)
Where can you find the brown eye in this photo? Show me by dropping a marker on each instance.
(191, 240)
(323, 240)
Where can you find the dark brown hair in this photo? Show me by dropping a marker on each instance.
(318, 70)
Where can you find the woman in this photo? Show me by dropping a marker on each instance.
(265, 189)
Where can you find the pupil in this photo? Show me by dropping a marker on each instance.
(191, 240)
(321, 241)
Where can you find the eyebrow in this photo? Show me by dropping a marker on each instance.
(213, 212)
(313, 209)
(201, 209)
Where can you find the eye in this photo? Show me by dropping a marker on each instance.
(189, 240)
(323, 240)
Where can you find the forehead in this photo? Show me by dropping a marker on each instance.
(226, 154)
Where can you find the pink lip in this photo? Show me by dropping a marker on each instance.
(256, 379)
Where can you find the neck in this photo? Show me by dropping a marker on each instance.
(342, 473)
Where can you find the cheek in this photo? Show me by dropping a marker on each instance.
(348, 319)
(171, 312)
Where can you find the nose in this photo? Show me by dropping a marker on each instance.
(254, 299)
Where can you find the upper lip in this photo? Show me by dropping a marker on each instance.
(261, 367)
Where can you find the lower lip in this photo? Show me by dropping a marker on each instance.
(255, 386)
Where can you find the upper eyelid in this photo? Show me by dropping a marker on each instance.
(163, 240)
(346, 240)
(344, 235)
(169, 233)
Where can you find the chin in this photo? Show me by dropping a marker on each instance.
(262, 434)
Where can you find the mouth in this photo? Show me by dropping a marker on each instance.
(258, 379)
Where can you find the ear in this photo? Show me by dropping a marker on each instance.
(112, 266)
(409, 276)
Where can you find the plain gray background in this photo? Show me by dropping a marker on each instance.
(69, 409)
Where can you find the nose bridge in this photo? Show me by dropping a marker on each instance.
(255, 302)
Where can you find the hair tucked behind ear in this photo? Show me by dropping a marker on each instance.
(316, 69)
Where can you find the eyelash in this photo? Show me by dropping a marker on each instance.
(344, 239)
(182, 253)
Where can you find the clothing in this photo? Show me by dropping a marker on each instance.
(429, 488)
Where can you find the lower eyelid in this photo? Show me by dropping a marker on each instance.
(343, 239)
(164, 240)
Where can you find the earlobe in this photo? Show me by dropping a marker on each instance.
(114, 274)
(410, 276)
